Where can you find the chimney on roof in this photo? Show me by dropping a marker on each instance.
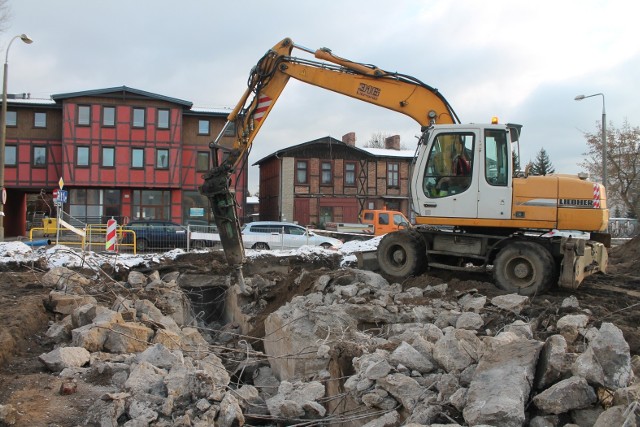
(349, 139)
(392, 142)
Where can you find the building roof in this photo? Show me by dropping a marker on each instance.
(123, 90)
(370, 152)
(25, 99)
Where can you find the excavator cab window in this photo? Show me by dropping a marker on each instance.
(497, 157)
(449, 165)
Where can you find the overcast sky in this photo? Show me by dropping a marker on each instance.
(522, 61)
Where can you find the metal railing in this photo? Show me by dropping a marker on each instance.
(623, 227)
(93, 237)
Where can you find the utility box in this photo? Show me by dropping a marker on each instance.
(50, 225)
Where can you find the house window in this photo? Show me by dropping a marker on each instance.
(163, 118)
(151, 204)
(302, 167)
(202, 161)
(108, 116)
(162, 159)
(230, 129)
(137, 157)
(39, 156)
(138, 117)
(84, 115)
(393, 175)
(40, 120)
(82, 156)
(326, 175)
(108, 157)
(350, 174)
(10, 155)
(203, 127)
(325, 214)
(12, 118)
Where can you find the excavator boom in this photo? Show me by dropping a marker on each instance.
(267, 80)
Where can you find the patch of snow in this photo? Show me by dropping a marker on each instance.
(61, 255)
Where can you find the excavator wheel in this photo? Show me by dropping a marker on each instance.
(525, 268)
(401, 254)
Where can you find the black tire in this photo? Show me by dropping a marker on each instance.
(199, 244)
(260, 246)
(141, 245)
(401, 254)
(525, 268)
(326, 245)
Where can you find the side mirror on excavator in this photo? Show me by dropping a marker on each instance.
(514, 132)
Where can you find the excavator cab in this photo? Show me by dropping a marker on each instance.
(450, 164)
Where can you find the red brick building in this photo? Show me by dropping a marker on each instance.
(329, 180)
(121, 152)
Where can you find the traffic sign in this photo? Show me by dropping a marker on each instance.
(61, 183)
(55, 194)
(62, 195)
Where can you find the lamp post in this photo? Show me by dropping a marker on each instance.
(3, 126)
(604, 135)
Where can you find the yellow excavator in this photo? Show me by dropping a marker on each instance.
(473, 209)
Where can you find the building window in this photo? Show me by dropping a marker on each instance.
(162, 159)
(302, 168)
(40, 120)
(151, 204)
(230, 129)
(393, 174)
(84, 115)
(325, 214)
(94, 206)
(326, 175)
(163, 118)
(203, 127)
(108, 116)
(39, 156)
(350, 174)
(195, 208)
(10, 155)
(12, 119)
(202, 161)
(137, 157)
(108, 157)
(82, 156)
(138, 117)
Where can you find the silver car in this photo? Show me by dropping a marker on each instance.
(283, 235)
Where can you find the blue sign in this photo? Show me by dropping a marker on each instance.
(62, 195)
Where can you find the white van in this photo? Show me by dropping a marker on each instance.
(283, 235)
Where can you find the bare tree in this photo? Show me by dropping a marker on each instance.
(623, 165)
(5, 15)
(376, 140)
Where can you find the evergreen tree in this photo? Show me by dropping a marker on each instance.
(542, 164)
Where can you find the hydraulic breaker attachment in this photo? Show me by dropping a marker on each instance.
(581, 258)
(223, 207)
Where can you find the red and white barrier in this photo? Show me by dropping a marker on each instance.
(112, 225)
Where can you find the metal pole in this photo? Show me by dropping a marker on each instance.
(604, 146)
(3, 136)
(3, 124)
(604, 136)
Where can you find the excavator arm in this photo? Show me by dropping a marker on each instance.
(267, 80)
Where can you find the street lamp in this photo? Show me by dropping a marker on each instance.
(604, 135)
(3, 127)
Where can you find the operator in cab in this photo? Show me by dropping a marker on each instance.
(456, 178)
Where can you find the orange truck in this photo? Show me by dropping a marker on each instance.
(373, 222)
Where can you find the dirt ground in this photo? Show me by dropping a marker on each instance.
(29, 387)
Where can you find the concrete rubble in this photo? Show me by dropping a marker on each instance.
(356, 350)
